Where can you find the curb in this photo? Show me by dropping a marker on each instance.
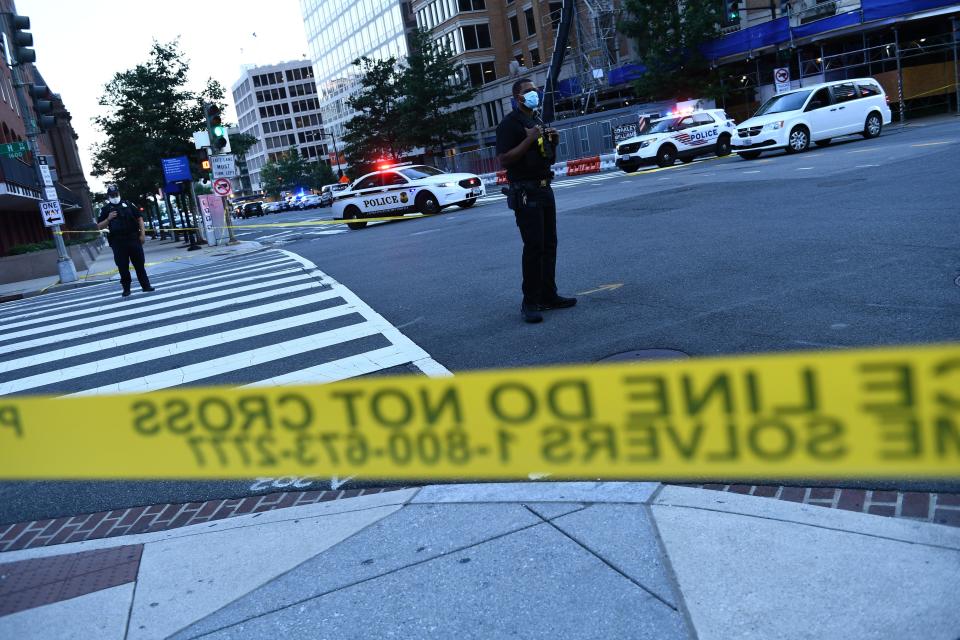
(162, 517)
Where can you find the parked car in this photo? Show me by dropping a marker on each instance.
(308, 201)
(328, 191)
(251, 209)
(678, 137)
(273, 207)
(815, 114)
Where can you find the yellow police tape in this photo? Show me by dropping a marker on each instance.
(267, 225)
(866, 413)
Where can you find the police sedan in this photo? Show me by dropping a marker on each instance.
(396, 190)
(682, 137)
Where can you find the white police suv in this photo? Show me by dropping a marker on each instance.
(817, 114)
(395, 190)
(681, 136)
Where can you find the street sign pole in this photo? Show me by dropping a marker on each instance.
(227, 214)
(65, 267)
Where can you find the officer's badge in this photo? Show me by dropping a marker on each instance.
(404, 197)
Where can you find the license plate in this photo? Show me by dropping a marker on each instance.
(626, 157)
(474, 194)
(746, 142)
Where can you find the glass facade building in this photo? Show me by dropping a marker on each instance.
(338, 33)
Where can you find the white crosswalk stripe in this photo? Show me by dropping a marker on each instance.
(269, 318)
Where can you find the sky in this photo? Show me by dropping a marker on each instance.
(81, 43)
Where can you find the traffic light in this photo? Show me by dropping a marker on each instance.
(22, 40)
(42, 106)
(219, 139)
(731, 10)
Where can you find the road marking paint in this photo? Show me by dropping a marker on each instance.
(603, 287)
(870, 150)
(420, 233)
(865, 166)
(756, 171)
(933, 144)
(167, 330)
(804, 168)
(232, 362)
(129, 307)
(432, 368)
(342, 369)
(336, 482)
(300, 278)
(179, 348)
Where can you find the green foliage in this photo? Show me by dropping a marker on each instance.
(430, 98)
(33, 247)
(405, 106)
(377, 130)
(150, 115)
(240, 143)
(289, 173)
(668, 37)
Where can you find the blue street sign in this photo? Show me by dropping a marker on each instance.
(176, 169)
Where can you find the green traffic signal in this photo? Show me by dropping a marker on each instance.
(218, 131)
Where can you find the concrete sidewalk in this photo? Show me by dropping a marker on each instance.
(528, 560)
(162, 255)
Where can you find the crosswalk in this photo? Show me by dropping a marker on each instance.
(266, 318)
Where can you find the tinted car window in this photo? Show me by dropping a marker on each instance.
(703, 118)
(820, 99)
(868, 89)
(392, 178)
(369, 182)
(784, 102)
(420, 171)
(844, 92)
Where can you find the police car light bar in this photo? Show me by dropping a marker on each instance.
(382, 166)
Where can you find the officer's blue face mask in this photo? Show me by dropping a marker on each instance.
(531, 99)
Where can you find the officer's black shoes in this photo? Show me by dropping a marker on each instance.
(531, 313)
(558, 303)
(148, 289)
(125, 293)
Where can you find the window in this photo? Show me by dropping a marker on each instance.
(686, 123)
(475, 36)
(555, 8)
(868, 89)
(584, 136)
(820, 99)
(392, 178)
(369, 182)
(535, 56)
(480, 73)
(844, 92)
(703, 118)
(420, 171)
(493, 113)
(514, 28)
(472, 5)
(531, 23)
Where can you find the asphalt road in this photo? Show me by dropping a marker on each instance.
(851, 245)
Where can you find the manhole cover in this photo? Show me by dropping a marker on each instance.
(645, 354)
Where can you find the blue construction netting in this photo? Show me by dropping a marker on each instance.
(878, 9)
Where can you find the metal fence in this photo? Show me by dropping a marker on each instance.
(581, 137)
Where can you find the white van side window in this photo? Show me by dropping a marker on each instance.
(868, 89)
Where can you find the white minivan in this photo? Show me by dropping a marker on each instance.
(815, 114)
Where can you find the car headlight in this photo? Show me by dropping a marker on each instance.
(775, 125)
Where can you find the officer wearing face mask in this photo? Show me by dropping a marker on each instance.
(526, 149)
(126, 238)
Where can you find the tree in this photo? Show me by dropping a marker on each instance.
(669, 36)
(378, 129)
(320, 175)
(290, 173)
(240, 144)
(433, 85)
(151, 115)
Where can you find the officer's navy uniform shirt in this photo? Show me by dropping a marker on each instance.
(126, 226)
(510, 132)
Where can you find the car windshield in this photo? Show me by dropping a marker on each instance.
(784, 102)
(664, 125)
(420, 171)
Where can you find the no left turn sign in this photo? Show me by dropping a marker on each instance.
(222, 187)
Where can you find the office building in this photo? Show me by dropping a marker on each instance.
(278, 105)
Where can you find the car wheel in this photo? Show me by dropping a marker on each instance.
(799, 140)
(823, 143)
(873, 126)
(629, 168)
(427, 204)
(750, 155)
(667, 155)
(353, 213)
(466, 204)
(723, 146)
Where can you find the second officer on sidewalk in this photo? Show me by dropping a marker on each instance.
(525, 148)
(126, 238)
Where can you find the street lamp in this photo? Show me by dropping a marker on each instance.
(336, 153)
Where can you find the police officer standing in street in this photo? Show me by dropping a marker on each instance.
(526, 149)
(126, 238)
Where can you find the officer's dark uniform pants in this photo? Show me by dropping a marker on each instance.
(536, 216)
(125, 252)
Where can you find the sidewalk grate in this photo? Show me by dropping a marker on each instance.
(937, 508)
(33, 583)
(149, 519)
